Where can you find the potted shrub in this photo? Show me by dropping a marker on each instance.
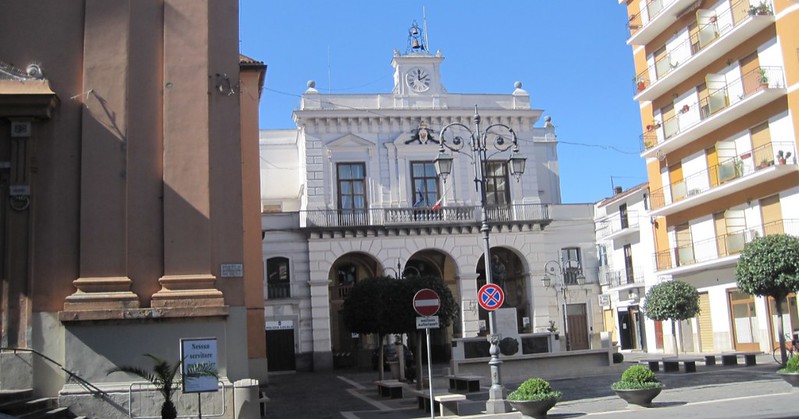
(761, 9)
(763, 77)
(638, 386)
(534, 398)
(791, 371)
(782, 157)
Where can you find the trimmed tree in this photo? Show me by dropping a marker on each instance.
(769, 267)
(384, 305)
(672, 300)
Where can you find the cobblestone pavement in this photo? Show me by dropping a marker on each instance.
(711, 392)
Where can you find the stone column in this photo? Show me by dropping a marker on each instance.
(188, 280)
(320, 318)
(103, 283)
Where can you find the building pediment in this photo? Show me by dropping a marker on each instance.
(350, 141)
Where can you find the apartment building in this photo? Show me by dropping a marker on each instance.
(716, 82)
(626, 268)
(352, 193)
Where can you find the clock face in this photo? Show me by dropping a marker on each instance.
(418, 79)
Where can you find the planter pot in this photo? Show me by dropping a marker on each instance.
(791, 378)
(639, 397)
(534, 408)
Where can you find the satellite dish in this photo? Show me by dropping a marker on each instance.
(661, 155)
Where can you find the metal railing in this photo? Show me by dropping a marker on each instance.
(718, 99)
(91, 388)
(422, 216)
(741, 166)
(621, 277)
(713, 29)
(277, 290)
(721, 245)
(616, 223)
(653, 8)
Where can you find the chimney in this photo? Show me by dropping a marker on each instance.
(617, 190)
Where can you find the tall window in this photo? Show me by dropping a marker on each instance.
(496, 178)
(572, 267)
(424, 184)
(628, 263)
(278, 278)
(351, 178)
(623, 216)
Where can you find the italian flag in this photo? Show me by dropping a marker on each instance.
(437, 205)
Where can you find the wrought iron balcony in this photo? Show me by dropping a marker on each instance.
(721, 177)
(618, 278)
(724, 104)
(278, 290)
(720, 246)
(654, 18)
(715, 37)
(409, 216)
(616, 225)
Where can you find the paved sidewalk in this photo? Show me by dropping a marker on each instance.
(711, 392)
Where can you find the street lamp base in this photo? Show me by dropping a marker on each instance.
(496, 405)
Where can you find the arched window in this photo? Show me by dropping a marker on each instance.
(278, 278)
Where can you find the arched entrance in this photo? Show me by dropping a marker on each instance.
(345, 272)
(509, 272)
(433, 262)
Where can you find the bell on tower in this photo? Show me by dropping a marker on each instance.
(417, 41)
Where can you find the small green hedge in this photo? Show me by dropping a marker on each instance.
(534, 389)
(637, 377)
(792, 365)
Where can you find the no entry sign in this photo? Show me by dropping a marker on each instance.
(490, 297)
(426, 302)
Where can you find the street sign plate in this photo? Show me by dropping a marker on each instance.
(490, 297)
(427, 322)
(426, 302)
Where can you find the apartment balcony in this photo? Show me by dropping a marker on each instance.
(654, 18)
(748, 170)
(616, 226)
(724, 104)
(720, 251)
(616, 280)
(381, 218)
(714, 39)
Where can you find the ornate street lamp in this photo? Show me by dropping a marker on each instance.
(553, 269)
(455, 137)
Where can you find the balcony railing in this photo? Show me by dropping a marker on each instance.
(720, 246)
(278, 290)
(423, 216)
(719, 98)
(622, 277)
(709, 30)
(616, 223)
(738, 167)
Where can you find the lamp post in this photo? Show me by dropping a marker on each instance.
(455, 137)
(553, 269)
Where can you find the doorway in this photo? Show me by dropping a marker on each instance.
(280, 345)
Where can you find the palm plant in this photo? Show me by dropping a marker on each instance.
(164, 376)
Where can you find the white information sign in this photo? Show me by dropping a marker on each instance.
(198, 354)
(231, 270)
(427, 322)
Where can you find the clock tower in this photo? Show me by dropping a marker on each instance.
(417, 71)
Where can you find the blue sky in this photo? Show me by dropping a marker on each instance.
(572, 60)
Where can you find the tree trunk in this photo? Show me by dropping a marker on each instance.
(674, 337)
(418, 359)
(380, 359)
(781, 331)
(168, 410)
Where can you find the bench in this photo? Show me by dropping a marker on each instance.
(467, 383)
(446, 404)
(731, 358)
(672, 364)
(390, 388)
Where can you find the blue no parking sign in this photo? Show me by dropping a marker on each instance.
(490, 297)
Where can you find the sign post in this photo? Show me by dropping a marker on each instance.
(198, 354)
(426, 303)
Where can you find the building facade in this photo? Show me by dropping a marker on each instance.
(128, 196)
(352, 193)
(716, 82)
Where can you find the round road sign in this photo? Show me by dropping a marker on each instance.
(490, 297)
(426, 302)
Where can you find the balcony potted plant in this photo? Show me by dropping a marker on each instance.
(638, 386)
(653, 126)
(791, 371)
(783, 157)
(763, 77)
(534, 398)
(761, 9)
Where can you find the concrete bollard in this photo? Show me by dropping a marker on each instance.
(246, 399)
